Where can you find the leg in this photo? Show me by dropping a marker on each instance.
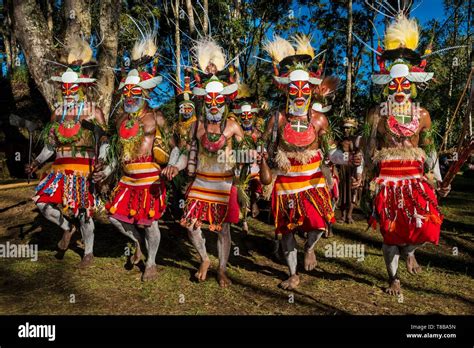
(55, 215)
(289, 249)
(412, 265)
(131, 232)
(309, 255)
(223, 249)
(391, 254)
(350, 220)
(200, 244)
(153, 238)
(87, 231)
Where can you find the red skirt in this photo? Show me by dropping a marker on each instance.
(301, 199)
(140, 196)
(69, 185)
(405, 204)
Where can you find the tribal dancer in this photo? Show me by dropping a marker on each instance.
(212, 197)
(350, 179)
(247, 115)
(183, 140)
(400, 145)
(301, 201)
(139, 198)
(69, 182)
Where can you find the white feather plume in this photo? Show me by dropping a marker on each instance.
(79, 50)
(278, 48)
(207, 51)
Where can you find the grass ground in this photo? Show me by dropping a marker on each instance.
(336, 286)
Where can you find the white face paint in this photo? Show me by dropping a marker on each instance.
(214, 104)
(299, 98)
(186, 110)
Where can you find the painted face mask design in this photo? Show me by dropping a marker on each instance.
(186, 110)
(247, 117)
(214, 106)
(132, 98)
(399, 90)
(70, 93)
(299, 97)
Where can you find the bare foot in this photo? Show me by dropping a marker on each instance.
(137, 256)
(412, 266)
(291, 283)
(223, 280)
(201, 274)
(350, 220)
(310, 261)
(86, 260)
(64, 242)
(394, 288)
(151, 273)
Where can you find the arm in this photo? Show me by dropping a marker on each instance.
(426, 142)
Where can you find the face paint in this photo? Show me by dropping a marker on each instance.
(348, 131)
(299, 97)
(186, 110)
(70, 93)
(214, 104)
(132, 98)
(399, 90)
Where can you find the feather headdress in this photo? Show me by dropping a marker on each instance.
(211, 60)
(403, 33)
(293, 60)
(207, 53)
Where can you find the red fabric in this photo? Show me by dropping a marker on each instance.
(57, 196)
(138, 204)
(311, 220)
(203, 211)
(398, 224)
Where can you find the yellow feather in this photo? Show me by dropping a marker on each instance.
(303, 45)
(403, 32)
(278, 49)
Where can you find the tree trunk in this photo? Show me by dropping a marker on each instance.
(78, 19)
(205, 22)
(347, 100)
(109, 28)
(32, 32)
(177, 41)
(192, 25)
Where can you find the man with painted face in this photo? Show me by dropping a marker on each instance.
(212, 197)
(69, 181)
(350, 179)
(301, 201)
(400, 145)
(139, 199)
(247, 114)
(182, 143)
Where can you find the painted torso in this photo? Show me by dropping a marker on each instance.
(140, 130)
(67, 129)
(401, 131)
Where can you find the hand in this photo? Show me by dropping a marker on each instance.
(170, 172)
(356, 159)
(98, 177)
(356, 181)
(443, 191)
(31, 168)
(99, 174)
(262, 156)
